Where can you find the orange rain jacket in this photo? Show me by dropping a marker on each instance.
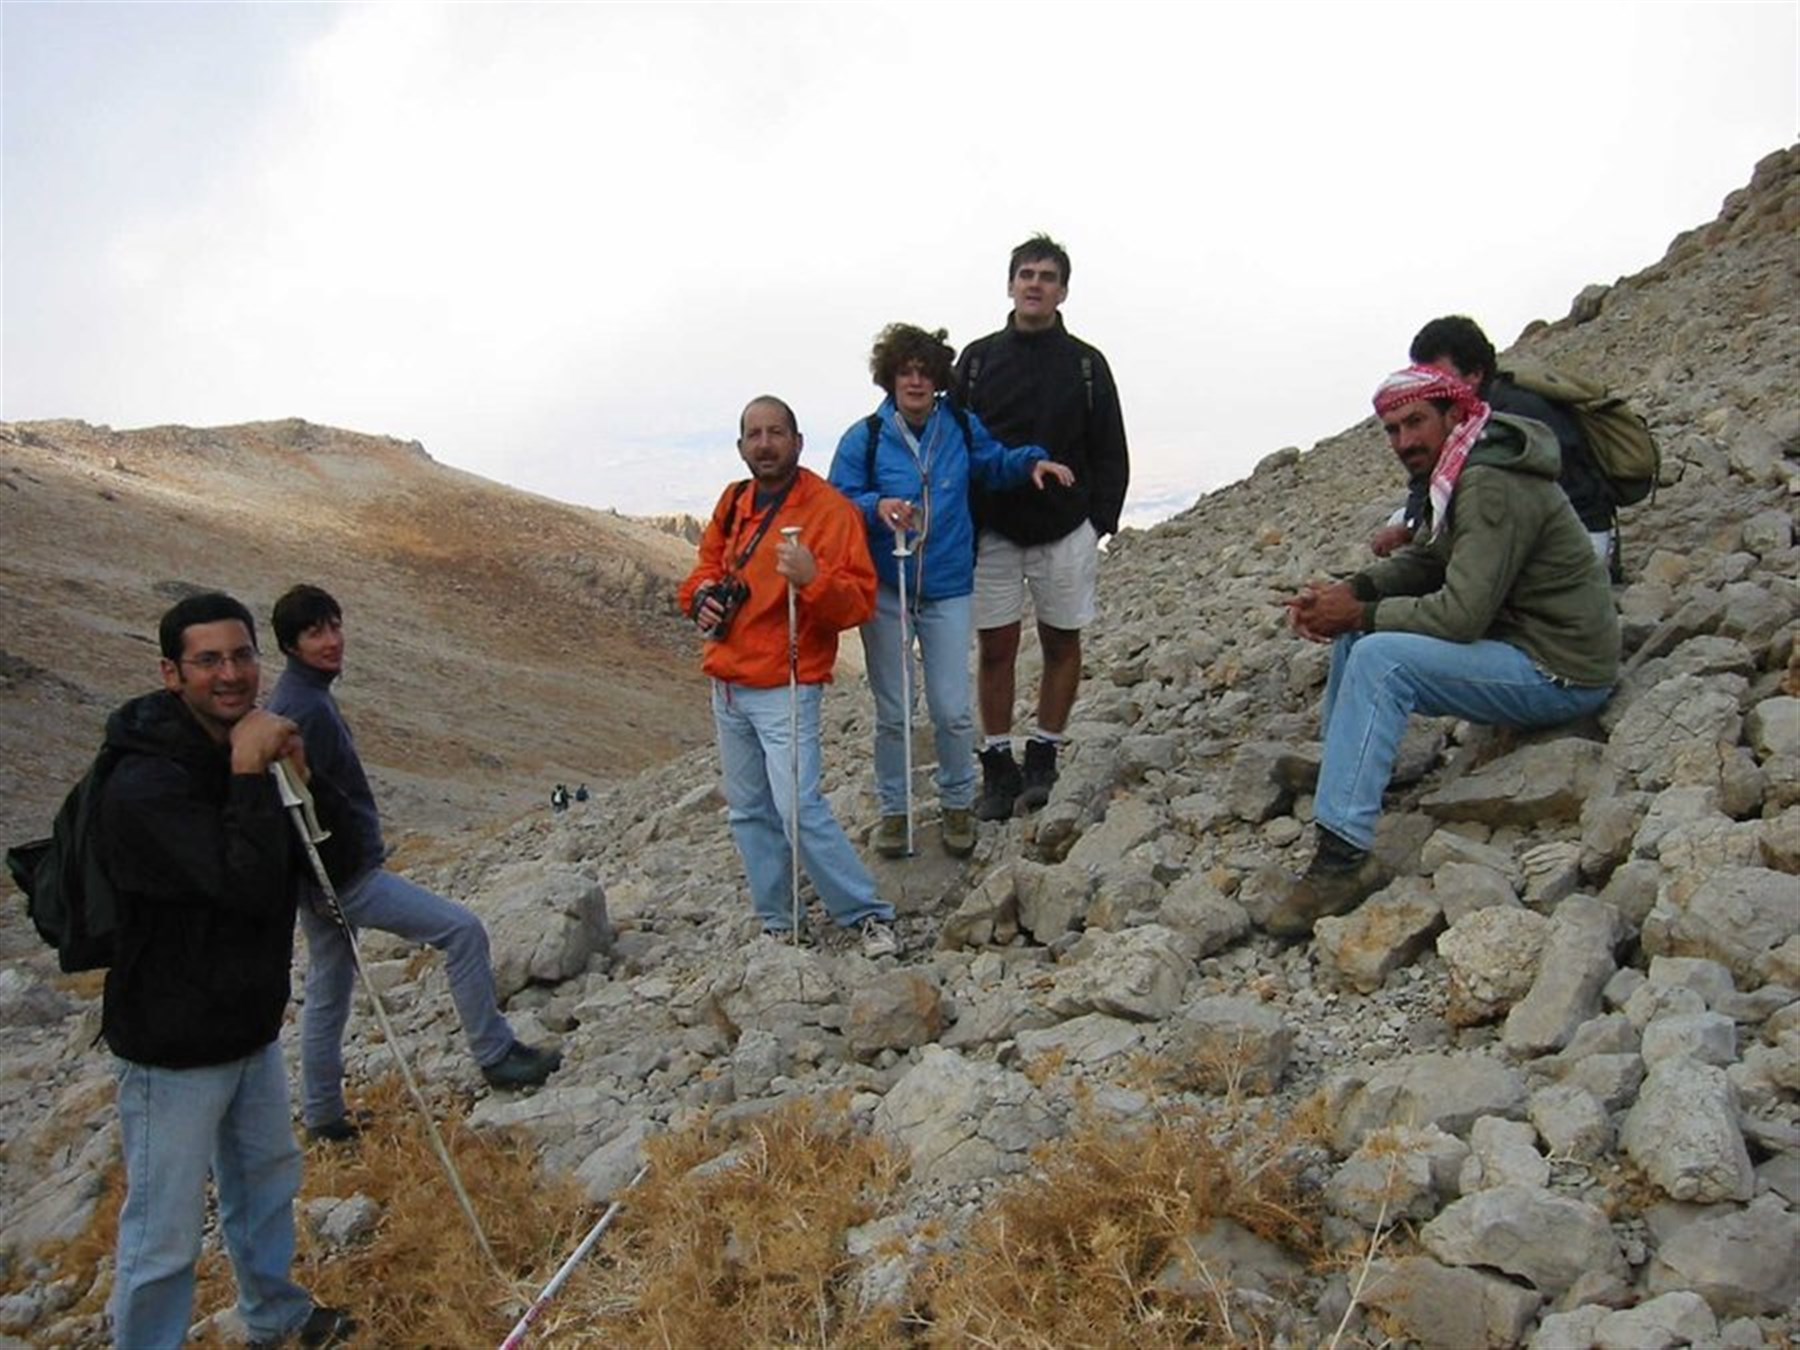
(754, 651)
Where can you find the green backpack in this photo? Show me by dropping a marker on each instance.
(1616, 436)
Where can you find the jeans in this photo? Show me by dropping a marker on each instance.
(1377, 679)
(759, 795)
(381, 900)
(174, 1123)
(942, 632)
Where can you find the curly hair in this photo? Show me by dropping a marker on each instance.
(900, 344)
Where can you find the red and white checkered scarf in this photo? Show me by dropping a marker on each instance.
(1419, 384)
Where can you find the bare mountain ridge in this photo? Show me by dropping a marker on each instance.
(499, 640)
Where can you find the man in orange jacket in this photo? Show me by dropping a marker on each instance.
(737, 596)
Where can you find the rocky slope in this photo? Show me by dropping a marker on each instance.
(1563, 1049)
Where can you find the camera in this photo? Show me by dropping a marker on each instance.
(729, 594)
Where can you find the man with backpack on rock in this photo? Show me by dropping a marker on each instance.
(1032, 383)
(203, 862)
(1498, 612)
(1596, 479)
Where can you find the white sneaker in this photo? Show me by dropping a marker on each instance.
(877, 939)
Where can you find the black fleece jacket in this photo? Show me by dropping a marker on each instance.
(1051, 389)
(204, 863)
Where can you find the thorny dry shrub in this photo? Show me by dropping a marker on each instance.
(1076, 1255)
(747, 1251)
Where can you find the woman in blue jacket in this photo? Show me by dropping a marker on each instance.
(907, 467)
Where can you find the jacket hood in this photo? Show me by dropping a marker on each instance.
(158, 724)
(1519, 445)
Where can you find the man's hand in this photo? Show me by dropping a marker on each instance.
(1388, 538)
(897, 514)
(709, 611)
(261, 737)
(1325, 610)
(1049, 468)
(795, 561)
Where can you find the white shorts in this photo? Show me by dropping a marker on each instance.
(1062, 576)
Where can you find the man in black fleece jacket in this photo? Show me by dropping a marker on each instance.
(191, 834)
(1032, 383)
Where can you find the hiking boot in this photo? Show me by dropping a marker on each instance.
(958, 831)
(522, 1066)
(324, 1327)
(1040, 774)
(1339, 879)
(346, 1129)
(890, 837)
(1000, 783)
(877, 938)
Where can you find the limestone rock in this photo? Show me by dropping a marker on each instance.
(894, 1010)
(1681, 712)
(1577, 961)
(1139, 974)
(545, 922)
(1684, 1133)
(1502, 1153)
(1665, 1323)
(1433, 1304)
(1380, 935)
(959, 1120)
(1492, 955)
(1451, 1091)
(1735, 916)
(1741, 1261)
(1548, 780)
(1397, 1173)
(1546, 1239)
(1228, 1044)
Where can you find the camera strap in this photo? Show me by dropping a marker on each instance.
(767, 520)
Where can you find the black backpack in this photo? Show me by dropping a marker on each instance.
(68, 895)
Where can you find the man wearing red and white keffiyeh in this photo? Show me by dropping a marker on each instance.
(1424, 384)
(1500, 614)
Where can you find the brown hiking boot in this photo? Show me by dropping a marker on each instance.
(1339, 879)
(890, 837)
(958, 832)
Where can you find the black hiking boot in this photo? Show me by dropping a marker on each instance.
(1040, 773)
(1000, 784)
(522, 1066)
(324, 1327)
(1339, 879)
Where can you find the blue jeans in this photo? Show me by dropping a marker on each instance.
(379, 899)
(942, 631)
(174, 1124)
(1377, 679)
(759, 794)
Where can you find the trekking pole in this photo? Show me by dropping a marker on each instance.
(516, 1337)
(903, 551)
(299, 805)
(791, 534)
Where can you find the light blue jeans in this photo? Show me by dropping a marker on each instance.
(379, 899)
(174, 1124)
(942, 633)
(759, 795)
(1377, 679)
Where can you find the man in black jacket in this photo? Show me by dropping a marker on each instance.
(1032, 383)
(192, 835)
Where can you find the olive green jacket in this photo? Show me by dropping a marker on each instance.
(1514, 565)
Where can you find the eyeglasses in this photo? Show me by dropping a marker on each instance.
(211, 663)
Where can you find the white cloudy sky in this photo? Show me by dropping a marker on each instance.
(562, 244)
